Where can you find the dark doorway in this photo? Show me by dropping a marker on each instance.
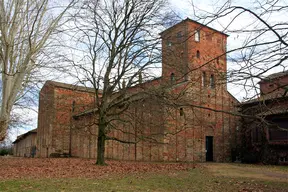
(209, 148)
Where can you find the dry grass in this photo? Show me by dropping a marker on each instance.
(268, 173)
(83, 175)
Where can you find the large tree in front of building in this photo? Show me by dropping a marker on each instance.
(117, 47)
(25, 29)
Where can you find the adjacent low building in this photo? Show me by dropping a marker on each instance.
(25, 144)
(265, 134)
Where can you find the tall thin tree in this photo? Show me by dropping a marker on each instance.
(25, 28)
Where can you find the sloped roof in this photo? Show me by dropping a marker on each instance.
(20, 137)
(270, 96)
(267, 97)
(71, 86)
(145, 84)
(190, 20)
(275, 75)
(274, 111)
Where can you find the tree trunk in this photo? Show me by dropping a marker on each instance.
(7, 97)
(3, 128)
(11, 86)
(101, 146)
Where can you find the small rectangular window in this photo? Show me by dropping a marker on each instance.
(197, 35)
(181, 112)
(198, 54)
(212, 82)
(203, 79)
(172, 78)
(169, 43)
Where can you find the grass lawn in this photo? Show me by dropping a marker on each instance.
(205, 177)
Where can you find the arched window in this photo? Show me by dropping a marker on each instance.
(73, 105)
(203, 79)
(212, 81)
(179, 35)
(172, 77)
(197, 35)
(198, 54)
(168, 43)
(181, 112)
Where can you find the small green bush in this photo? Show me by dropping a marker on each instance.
(4, 152)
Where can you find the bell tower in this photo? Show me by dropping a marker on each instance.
(192, 51)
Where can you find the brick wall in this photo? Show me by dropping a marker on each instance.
(84, 137)
(163, 134)
(55, 113)
(276, 86)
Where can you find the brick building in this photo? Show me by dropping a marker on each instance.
(267, 136)
(56, 102)
(191, 125)
(193, 64)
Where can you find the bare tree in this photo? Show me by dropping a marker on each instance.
(118, 47)
(25, 28)
(259, 45)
